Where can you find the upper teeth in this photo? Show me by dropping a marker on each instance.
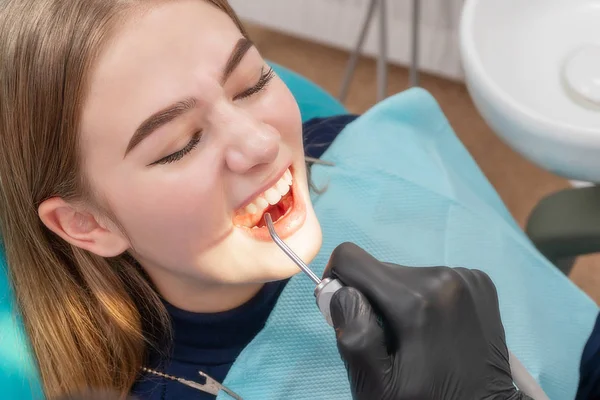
(272, 195)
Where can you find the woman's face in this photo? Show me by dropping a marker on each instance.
(187, 138)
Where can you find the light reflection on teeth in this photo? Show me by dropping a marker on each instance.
(272, 196)
(261, 203)
(251, 208)
(287, 176)
(283, 188)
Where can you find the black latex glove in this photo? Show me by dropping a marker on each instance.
(443, 337)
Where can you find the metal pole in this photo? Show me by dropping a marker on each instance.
(382, 60)
(357, 51)
(416, 22)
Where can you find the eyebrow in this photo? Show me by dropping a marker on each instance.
(163, 117)
(237, 55)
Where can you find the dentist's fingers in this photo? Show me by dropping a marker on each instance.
(361, 341)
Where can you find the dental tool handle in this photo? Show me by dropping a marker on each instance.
(521, 377)
(323, 293)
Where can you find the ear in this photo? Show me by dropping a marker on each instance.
(81, 228)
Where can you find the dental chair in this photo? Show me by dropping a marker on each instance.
(565, 225)
(314, 102)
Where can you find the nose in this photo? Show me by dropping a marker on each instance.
(251, 143)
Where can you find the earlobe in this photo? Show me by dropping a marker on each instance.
(81, 228)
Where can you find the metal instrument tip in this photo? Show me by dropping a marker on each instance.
(289, 252)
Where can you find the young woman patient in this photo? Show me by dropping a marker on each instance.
(141, 143)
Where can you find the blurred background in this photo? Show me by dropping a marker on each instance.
(315, 38)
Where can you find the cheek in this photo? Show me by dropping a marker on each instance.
(170, 217)
(281, 111)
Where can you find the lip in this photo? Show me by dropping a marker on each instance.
(270, 183)
(286, 226)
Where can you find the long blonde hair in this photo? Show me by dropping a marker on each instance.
(84, 315)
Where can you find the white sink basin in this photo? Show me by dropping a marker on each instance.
(533, 70)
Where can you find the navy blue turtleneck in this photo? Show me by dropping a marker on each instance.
(589, 379)
(205, 342)
(211, 342)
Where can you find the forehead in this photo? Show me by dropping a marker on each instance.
(158, 56)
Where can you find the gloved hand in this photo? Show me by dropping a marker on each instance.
(439, 336)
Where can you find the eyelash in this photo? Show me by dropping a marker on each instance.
(263, 82)
(181, 153)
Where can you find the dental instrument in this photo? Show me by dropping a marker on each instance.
(211, 386)
(327, 287)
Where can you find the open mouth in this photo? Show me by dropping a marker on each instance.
(278, 201)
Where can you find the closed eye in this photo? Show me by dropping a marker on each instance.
(178, 155)
(265, 78)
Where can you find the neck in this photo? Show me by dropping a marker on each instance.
(202, 298)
